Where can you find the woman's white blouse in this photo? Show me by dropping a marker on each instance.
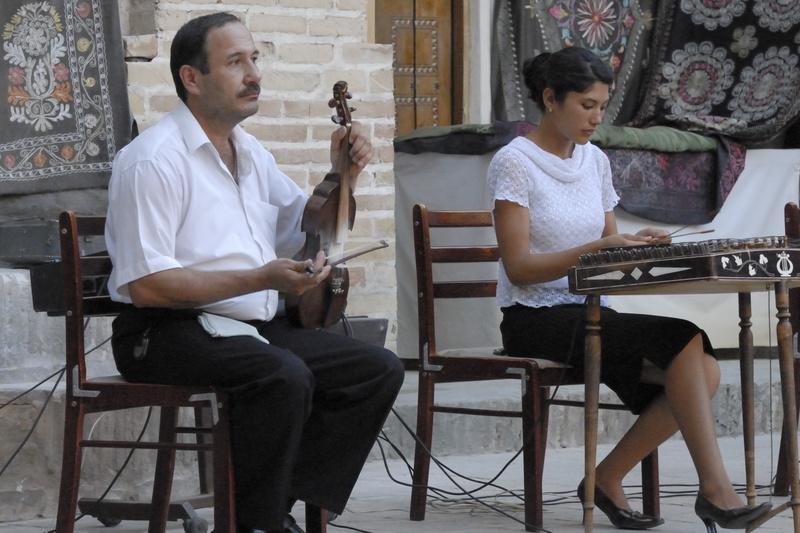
(567, 200)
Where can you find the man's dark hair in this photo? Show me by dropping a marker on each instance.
(189, 46)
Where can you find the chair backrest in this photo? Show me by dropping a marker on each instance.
(85, 289)
(431, 288)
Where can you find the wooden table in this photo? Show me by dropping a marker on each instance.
(752, 271)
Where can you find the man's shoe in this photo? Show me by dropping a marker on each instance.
(290, 525)
(245, 529)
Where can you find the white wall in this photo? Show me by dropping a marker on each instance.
(478, 68)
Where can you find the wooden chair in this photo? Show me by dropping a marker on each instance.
(791, 220)
(85, 295)
(480, 364)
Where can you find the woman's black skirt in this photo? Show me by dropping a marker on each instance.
(557, 334)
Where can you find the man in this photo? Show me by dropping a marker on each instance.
(200, 225)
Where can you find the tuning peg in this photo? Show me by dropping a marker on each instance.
(336, 119)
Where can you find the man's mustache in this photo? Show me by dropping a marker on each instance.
(251, 90)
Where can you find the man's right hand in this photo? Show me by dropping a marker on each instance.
(185, 288)
(296, 277)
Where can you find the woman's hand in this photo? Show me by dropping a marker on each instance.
(658, 236)
(619, 240)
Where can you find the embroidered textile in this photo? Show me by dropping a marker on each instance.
(674, 187)
(66, 109)
(729, 66)
(617, 31)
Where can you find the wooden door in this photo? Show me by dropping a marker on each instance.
(427, 59)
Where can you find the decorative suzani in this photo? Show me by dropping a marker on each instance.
(766, 86)
(698, 77)
(39, 92)
(744, 42)
(746, 86)
(713, 14)
(64, 119)
(616, 30)
(777, 15)
(600, 25)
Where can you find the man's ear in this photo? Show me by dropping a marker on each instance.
(189, 76)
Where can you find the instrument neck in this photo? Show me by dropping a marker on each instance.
(345, 194)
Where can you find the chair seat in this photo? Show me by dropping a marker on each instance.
(111, 393)
(489, 352)
(116, 379)
(147, 393)
(159, 389)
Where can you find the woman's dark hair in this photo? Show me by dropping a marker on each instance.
(189, 46)
(571, 69)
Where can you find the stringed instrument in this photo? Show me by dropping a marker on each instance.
(328, 216)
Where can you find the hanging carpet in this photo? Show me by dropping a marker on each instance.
(66, 111)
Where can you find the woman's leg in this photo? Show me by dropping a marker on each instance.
(690, 382)
(690, 402)
(653, 426)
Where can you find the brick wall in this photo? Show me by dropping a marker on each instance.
(306, 46)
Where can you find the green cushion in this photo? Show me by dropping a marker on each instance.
(659, 138)
(438, 131)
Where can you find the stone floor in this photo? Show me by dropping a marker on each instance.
(381, 498)
(380, 501)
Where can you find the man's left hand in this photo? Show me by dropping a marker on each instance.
(360, 148)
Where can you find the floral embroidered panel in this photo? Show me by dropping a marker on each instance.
(728, 66)
(619, 31)
(66, 111)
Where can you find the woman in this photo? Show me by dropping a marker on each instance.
(553, 201)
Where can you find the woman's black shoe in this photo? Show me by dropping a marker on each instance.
(738, 518)
(620, 518)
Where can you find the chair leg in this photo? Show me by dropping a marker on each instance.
(651, 503)
(781, 487)
(422, 458)
(535, 417)
(316, 519)
(70, 468)
(782, 481)
(165, 468)
(205, 461)
(224, 500)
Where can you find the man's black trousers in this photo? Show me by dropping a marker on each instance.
(305, 408)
